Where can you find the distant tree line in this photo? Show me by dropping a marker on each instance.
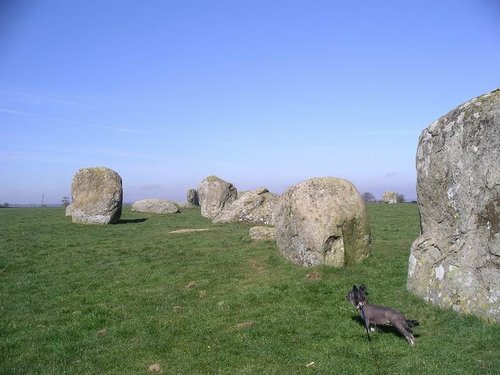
(369, 197)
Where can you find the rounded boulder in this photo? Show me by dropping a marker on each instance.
(322, 221)
(156, 206)
(251, 207)
(97, 196)
(214, 194)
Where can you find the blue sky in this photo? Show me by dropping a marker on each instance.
(258, 92)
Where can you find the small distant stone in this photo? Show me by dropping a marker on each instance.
(191, 285)
(157, 206)
(390, 197)
(155, 367)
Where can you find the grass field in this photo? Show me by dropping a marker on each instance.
(117, 299)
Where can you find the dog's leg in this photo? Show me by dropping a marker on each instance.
(400, 325)
(367, 324)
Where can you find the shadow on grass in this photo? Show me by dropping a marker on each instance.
(132, 221)
(382, 328)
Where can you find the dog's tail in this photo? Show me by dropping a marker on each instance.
(412, 323)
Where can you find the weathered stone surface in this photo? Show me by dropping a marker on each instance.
(322, 221)
(192, 197)
(241, 192)
(251, 207)
(262, 233)
(455, 262)
(214, 194)
(97, 196)
(69, 209)
(185, 205)
(157, 206)
(390, 197)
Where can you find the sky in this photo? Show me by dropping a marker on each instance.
(257, 92)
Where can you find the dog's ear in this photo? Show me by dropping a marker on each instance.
(363, 288)
(360, 293)
(354, 287)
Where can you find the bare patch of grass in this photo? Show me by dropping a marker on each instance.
(190, 230)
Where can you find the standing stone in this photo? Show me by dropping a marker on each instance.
(390, 197)
(69, 209)
(322, 221)
(97, 196)
(455, 262)
(255, 207)
(214, 194)
(192, 197)
(156, 206)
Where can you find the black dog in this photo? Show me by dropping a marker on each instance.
(373, 314)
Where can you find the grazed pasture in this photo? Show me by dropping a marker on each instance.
(135, 298)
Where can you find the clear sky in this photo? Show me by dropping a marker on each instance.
(258, 92)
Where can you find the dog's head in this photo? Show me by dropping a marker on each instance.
(357, 294)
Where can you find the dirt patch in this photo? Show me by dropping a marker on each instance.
(245, 325)
(190, 230)
(258, 266)
(313, 276)
(102, 332)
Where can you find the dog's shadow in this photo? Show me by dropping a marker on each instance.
(380, 328)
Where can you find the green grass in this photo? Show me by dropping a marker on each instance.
(115, 299)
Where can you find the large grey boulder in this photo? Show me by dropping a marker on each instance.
(455, 262)
(214, 194)
(322, 221)
(156, 206)
(255, 206)
(97, 196)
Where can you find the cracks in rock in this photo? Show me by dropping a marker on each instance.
(333, 249)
